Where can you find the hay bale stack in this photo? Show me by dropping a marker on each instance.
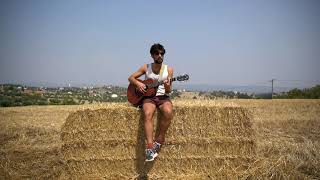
(201, 142)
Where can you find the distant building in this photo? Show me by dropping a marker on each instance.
(114, 95)
(41, 92)
(27, 91)
(34, 91)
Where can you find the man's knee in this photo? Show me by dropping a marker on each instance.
(148, 111)
(167, 112)
(148, 115)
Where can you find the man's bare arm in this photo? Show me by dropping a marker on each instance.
(133, 78)
(168, 84)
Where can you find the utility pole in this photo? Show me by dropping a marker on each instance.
(272, 88)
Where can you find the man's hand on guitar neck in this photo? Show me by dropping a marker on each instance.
(167, 81)
(167, 84)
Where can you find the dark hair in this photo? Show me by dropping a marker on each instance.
(156, 48)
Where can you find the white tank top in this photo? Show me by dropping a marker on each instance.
(150, 75)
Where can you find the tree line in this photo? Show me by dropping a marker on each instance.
(13, 95)
(307, 93)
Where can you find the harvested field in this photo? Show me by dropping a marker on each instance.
(286, 137)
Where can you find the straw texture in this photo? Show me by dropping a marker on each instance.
(202, 142)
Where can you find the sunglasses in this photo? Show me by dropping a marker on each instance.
(157, 53)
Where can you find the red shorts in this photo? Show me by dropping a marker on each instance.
(156, 100)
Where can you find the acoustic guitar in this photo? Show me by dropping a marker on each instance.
(135, 96)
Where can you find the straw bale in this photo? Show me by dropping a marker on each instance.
(173, 132)
(164, 166)
(126, 117)
(123, 122)
(178, 146)
(201, 140)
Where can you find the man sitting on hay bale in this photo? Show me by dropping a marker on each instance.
(159, 72)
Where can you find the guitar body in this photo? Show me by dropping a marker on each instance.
(135, 96)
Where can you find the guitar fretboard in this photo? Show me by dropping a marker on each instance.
(156, 84)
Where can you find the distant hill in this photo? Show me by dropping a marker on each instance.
(256, 89)
(246, 89)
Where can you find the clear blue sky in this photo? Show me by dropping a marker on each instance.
(102, 42)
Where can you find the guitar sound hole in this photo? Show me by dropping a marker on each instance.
(138, 92)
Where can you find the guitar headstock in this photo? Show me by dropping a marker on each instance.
(183, 77)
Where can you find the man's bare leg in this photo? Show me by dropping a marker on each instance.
(148, 111)
(164, 121)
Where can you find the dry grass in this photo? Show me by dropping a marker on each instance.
(287, 139)
(288, 135)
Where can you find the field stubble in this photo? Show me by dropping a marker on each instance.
(287, 137)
